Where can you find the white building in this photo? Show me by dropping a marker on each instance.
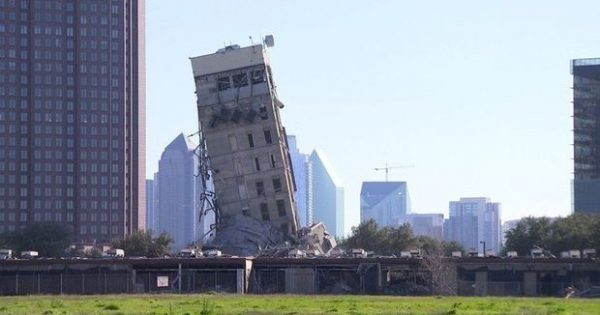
(475, 223)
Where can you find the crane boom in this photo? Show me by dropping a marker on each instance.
(388, 168)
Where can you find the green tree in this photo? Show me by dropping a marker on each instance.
(50, 239)
(366, 235)
(398, 239)
(384, 241)
(452, 246)
(576, 231)
(141, 243)
(528, 233)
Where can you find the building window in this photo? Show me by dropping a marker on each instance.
(233, 142)
(260, 188)
(268, 138)
(258, 76)
(263, 113)
(240, 80)
(257, 163)
(277, 184)
(264, 211)
(238, 166)
(281, 208)
(223, 83)
(284, 228)
(273, 164)
(251, 140)
(242, 190)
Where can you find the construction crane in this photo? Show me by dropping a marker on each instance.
(388, 168)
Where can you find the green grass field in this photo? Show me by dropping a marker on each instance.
(290, 304)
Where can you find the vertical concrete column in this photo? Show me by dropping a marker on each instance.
(180, 277)
(481, 283)
(299, 281)
(241, 281)
(449, 279)
(530, 283)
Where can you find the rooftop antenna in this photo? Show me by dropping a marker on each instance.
(388, 168)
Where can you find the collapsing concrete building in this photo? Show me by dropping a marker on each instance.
(244, 149)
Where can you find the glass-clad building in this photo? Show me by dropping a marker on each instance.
(586, 133)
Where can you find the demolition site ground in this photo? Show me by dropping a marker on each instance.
(292, 304)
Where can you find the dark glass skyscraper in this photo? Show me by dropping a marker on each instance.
(72, 142)
(586, 129)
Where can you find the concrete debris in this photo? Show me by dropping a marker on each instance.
(316, 239)
(246, 236)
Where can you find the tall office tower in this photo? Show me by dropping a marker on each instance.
(245, 147)
(302, 168)
(384, 202)
(178, 193)
(425, 224)
(473, 221)
(586, 133)
(151, 204)
(327, 194)
(72, 116)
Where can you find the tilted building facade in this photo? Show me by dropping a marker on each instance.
(245, 142)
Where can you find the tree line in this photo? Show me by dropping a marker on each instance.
(389, 240)
(577, 231)
(52, 239)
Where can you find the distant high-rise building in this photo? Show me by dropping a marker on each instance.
(319, 193)
(586, 133)
(72, 112)
(425, 224)
(384, 202)
(178, 193)
(327, 194)
(151, 206)
(473, 221)
(302, 168)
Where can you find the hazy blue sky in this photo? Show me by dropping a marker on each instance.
(475, 94)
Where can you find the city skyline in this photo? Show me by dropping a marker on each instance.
(449, 87)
